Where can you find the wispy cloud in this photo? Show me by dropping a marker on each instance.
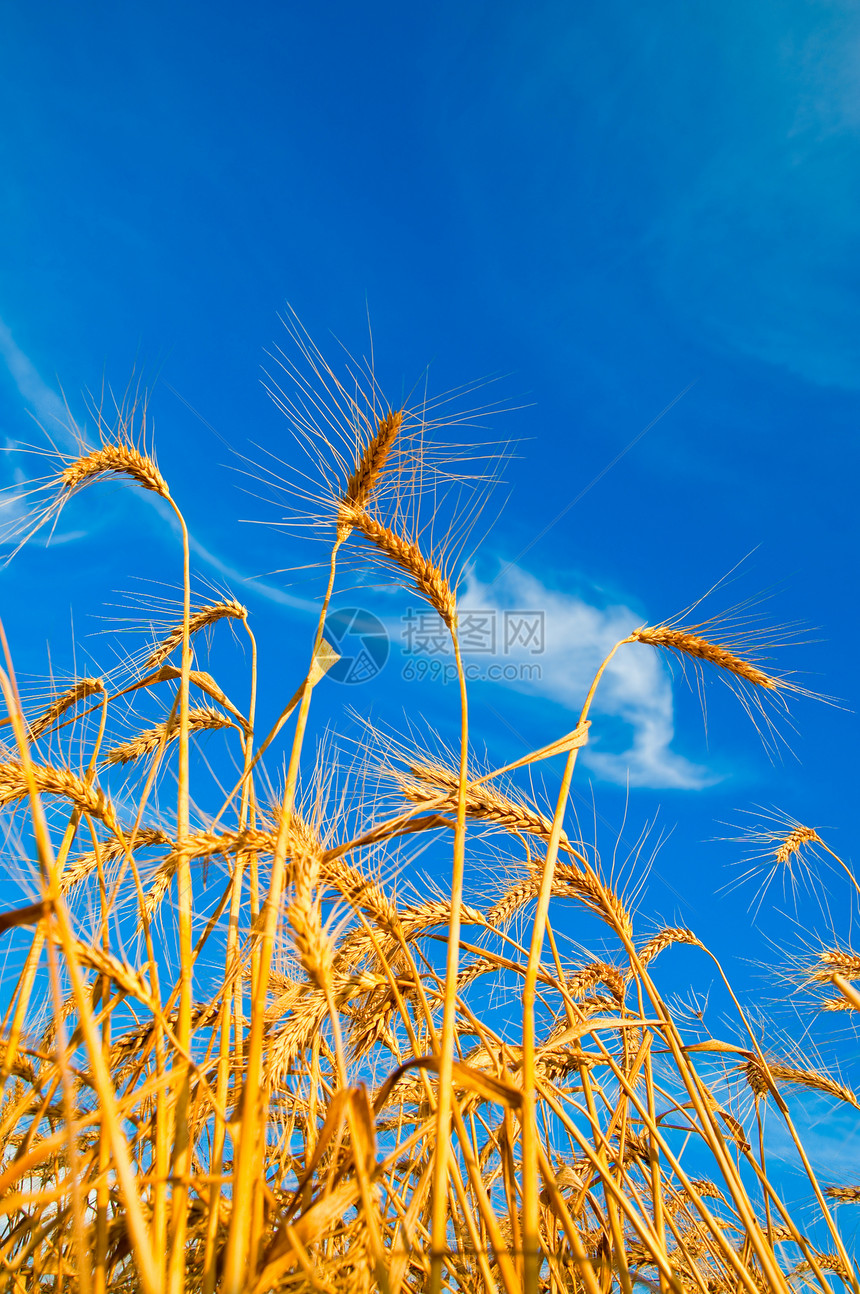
(43, 402)
(49, 409)
(636, 689)
(270, 592)
(753, 245)
(830, 1136)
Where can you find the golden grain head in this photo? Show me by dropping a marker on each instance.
(838, 961)
(425, 577)
(816, 1080)
(200, 719)
(78, 691)
(843, 1194)
(200, 618)
(706, 1188)
(56, 781)
(120, 459)
(370, 464)
(664, 939)
(438, 787)
(687, 643)
(757, 1078)
(585, 979)
(791, 844)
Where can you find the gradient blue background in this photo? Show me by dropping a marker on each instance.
(606, 204)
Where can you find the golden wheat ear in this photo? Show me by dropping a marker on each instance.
(123, 451)
(62, 782)
(843, 1194)
(199, 619)
(794, 840)
(79, 691)
(425, 577)
(836, 961)
(200, 719)
(121, 459)
(371, 463)
(687, 643)
(665, 939)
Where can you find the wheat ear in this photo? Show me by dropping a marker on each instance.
(121, 459)
(664, 939)
(370, 464)
(793, 841)
(690, 644)
(200, 718)
(836, 959)
(483, 803)
(79, 691)
(427, 578)
(56, 781)
(108, 852)
(810, 1078)
(199, 619)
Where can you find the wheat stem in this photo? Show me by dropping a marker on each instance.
(446, 1054)
(241, 1244)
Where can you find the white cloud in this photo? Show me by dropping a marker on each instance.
(753, 245)
(45, 403)
(636, 688)
(50, 410)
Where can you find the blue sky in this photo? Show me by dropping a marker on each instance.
(609, 206)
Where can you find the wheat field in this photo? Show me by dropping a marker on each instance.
(247, 1046)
